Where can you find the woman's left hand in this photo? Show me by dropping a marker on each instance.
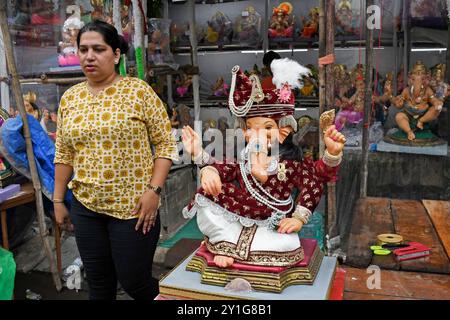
(147, 208)
(334, 140)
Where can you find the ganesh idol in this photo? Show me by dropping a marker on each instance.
(245, 208)
(418, 106)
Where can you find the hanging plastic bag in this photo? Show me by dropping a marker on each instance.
(220, 29)
(248, 26)
(159, 43)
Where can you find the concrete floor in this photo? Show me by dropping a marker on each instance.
(41, 283)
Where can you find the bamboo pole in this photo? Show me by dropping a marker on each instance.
(406, 41)
(331, 219)
(266, 20)
(395, 49)
(195, 77)
(367, 107)
(29, 147)
(321, 69)
(4, 87)
(169, 79)
(447, 73)
(116, 16)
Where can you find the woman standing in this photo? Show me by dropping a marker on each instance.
(106, 127)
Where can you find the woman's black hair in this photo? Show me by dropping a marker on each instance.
(268, 57)
(109, 33)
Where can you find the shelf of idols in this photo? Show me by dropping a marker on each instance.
(307, 102)
(216, 47)
(161, 70)
(204, 1)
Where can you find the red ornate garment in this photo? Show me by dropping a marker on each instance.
(307, 176)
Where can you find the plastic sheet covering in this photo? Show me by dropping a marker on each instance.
(13, 148)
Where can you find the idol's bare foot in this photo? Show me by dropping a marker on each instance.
(411, 136)
(420, 125)
(223, 261)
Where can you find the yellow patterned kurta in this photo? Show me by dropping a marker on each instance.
(106, 138)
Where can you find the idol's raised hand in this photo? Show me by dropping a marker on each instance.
(191, 141)
(334, 140)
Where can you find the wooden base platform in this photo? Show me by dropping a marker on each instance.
(425, 221)
(268, 281)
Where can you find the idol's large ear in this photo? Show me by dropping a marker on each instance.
(283, 133)
(288, 121)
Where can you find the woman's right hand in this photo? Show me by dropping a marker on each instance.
(191, 141)
(211, 183)
(62, 216)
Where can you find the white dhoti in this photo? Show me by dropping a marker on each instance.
(252, 244)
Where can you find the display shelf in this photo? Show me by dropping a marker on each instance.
(222, 103)
(215, 47)
(203, 1)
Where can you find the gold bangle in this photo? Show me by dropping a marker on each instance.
(210, 168)
(58, 201)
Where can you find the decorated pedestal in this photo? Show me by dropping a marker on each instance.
(273, 279)
(310, 279)
(424, 138)
(424, 143)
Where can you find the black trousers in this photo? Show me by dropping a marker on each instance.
(112, 250)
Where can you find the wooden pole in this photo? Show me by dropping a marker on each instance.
(331, 219)
(406, 41)
(395, 49)
(266, 25)
(4, 87)
(321, 71)
(116, 16)
(169, 79)
(447, 72)
(367, 107)
(195, 77)
(29, 147)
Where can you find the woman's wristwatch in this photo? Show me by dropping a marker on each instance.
(155, 189)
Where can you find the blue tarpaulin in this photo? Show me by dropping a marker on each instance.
(13, 148)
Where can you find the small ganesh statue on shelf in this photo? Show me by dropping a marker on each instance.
(311, 26)
(248, 26)
(352, 109)
(438, 85)
(220, 88)
(282, 23)
(383, 101)
(346, 19)
(183, 83)
(419, 106)
(245, 208)
(68, 46)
